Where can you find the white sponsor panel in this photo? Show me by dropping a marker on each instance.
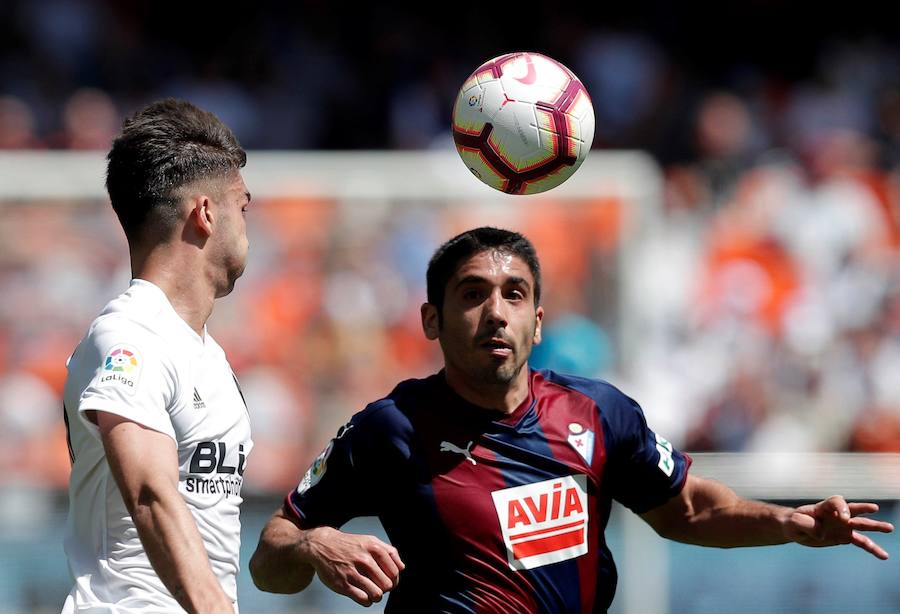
(545, 522)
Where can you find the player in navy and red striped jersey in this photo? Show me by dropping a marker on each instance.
(494, 481)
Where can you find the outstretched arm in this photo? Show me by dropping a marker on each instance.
(361, 567)
(708, 513)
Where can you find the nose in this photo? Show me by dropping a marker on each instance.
(495, 310)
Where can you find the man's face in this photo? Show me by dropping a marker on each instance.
(490, 321)
(232, 200)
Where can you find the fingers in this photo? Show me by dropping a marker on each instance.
(388, 561)
(839, 506)
(359, 595)
(363, 590)
(866, 543)
(395, 556)
(862, 508)
(375, 575)
(867, 524)
(835, 506)
(354, 584)
(361, 567)
(371, 570)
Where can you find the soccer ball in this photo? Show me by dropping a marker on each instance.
(523, 123)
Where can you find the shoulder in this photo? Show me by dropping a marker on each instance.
(118, 342)
(391, 419)
(141, 302)
(119, 328)
(134, 312)
(603, 393)
(396, 407)
(621, 416)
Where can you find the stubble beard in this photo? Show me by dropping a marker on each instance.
(500, 375)
(503, 374)
(233, 267)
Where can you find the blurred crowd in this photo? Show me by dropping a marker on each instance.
(776, 302)
(767, 295)
(308, 76)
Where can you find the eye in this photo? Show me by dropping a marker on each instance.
(471, 294)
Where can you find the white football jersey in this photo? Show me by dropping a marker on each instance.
(140, 360)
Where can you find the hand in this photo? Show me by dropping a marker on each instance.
(361, 567)
(834, 521)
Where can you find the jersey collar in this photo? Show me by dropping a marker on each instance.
(477, 412)
(165, 304)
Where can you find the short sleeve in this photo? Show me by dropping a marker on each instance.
(644, 470)
(129, 375)
(336, 487)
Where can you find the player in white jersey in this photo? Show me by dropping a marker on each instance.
(158, 430)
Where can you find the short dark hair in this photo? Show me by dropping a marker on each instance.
(448, 257)
(166, 145)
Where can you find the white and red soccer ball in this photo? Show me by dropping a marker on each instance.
(523, 123)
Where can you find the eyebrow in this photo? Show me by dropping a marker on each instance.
(477, 279)
(247, 194)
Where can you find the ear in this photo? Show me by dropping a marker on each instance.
(430, 321)
(539, 319)
(202, 215)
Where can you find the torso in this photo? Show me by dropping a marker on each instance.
(141, 361)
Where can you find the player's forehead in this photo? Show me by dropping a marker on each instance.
(494, 265)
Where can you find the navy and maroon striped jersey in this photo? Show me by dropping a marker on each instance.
(494, 512)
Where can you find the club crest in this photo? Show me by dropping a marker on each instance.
(582, 440)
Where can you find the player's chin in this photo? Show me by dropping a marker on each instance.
(504, 373)
(231, 279)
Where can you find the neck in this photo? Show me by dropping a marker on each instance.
(502, 397)
(181, 276)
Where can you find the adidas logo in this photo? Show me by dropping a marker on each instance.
(198, 402)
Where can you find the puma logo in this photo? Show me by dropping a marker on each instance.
(446, 446)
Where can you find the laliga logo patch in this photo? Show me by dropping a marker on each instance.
(582, 440)
(666, 463)
(316, 470)
(121, 367)
(120, 360)
(545, 522)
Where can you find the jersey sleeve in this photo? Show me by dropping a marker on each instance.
(339, 484)
(644, 470)
(129, 376)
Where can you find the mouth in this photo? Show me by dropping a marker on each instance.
(497, 347)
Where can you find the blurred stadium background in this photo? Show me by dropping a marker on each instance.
(728, 255)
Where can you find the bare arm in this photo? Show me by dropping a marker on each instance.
(361, 567)
(280, 563)
(708, 513)
(144, 464)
